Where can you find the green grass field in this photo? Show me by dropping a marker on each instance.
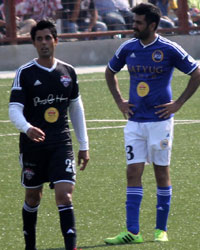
(99, 198)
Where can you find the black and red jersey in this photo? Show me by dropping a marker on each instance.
(45, 94)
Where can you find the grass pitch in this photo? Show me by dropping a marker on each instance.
(99, 197)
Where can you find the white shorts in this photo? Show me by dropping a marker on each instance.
(149, 142)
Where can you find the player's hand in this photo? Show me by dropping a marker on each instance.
(125, 108)
(167, 109)
(35, 134)
(83, 158)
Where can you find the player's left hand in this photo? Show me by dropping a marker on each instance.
(83, 158)
(167, 109)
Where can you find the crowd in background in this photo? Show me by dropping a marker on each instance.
(72, 16)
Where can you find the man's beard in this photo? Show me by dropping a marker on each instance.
(143, 35)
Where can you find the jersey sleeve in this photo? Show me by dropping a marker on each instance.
(75, 86)
(18, 89)
(183, 61)
(119, 59)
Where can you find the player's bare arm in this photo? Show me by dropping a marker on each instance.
(83, 158)
(35, 134)
(123, 105)
(174, 106)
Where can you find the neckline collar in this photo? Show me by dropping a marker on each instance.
(147, 45)
(45, 68)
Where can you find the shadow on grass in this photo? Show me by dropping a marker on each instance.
(104, 245)
(79, 247)
(96, 246)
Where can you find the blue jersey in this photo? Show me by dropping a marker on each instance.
(151, 68)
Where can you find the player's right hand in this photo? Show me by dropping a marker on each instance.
(35, 134)
(125, 108)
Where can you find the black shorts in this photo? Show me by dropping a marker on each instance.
(48, 165)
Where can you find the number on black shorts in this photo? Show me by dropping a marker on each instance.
(70, 166)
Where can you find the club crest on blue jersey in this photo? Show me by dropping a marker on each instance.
(65, 80)
(164, 144)
(157, 56)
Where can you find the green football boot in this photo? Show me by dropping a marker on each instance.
(124, 238)
(160, 235)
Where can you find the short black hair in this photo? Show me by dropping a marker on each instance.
(152, 13)
(41, 25)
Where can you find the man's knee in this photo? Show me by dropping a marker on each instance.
(134, 174)
(64, 198)
(33, 197)
(63, 193)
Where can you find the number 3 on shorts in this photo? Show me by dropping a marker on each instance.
(70, 166)
(129, 152)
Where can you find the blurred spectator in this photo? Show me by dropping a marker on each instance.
(153, 2)
(165, 21)
(173, 4)
(110, 14)
(70, 13)
(131, 3)
(23, 26)
(194, 9)
(2, 23)
(41, 9)
(163, 5)
(173, 9)
(194, 4)
(124, 8)
(135, 2)
(88, 17)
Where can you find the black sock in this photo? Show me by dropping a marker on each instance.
(67, 223)
(29, 215)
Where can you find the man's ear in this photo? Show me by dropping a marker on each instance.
(56, 40)
(153, 26)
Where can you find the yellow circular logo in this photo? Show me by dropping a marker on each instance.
(142, 89)
(51, 115)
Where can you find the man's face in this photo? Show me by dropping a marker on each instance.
(45, 43)
(141, 28)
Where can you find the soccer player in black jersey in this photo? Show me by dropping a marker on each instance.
(44, 91)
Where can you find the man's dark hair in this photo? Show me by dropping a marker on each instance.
(152, 13)
(41, 25)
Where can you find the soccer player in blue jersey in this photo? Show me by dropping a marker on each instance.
(150, 59)
(44, 91)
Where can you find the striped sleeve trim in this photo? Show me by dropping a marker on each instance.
(16, 83)
(123, 45)
(174, 45)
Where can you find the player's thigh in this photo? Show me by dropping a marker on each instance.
(162, 174)
(62, 165)
(160, 142)
(33, 170)
(135, 143)
(134, 174)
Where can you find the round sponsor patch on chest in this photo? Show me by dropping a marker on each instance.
(142, 89)
(51, 115)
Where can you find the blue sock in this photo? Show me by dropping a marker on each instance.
(133, 201)
(164, 195)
